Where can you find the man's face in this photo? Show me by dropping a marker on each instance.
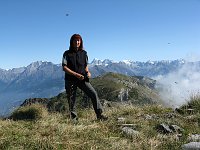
(76, 43)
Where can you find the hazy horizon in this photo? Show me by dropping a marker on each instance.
(187, 60)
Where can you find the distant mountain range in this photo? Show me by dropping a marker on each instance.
(45, 79)
(131, 68)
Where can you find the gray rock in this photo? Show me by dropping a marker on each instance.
(194, 137)
(121, 119)
(164, 128)
(176, 128)
(151, 117)
(129, 131)
(170, 115)
(148, 117)
(191, 146)
(178, 136)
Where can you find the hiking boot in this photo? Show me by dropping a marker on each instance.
(102, 118)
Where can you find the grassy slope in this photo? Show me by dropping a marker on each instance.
(56, 131)
(108, 88)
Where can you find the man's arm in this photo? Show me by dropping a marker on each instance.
(88, 72)
(73, 73)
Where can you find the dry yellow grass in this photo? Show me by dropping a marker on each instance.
(56, 131)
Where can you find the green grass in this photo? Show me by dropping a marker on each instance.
(32, 112)
(55, 130)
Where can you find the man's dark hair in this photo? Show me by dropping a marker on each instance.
(76, 36)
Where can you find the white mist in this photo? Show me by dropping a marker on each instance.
(177, 87)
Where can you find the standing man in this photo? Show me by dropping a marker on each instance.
(77, 74)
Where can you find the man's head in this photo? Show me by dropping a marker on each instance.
(76, 42)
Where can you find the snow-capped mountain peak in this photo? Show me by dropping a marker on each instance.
(96, 61)
(101, 62)
(127, 62)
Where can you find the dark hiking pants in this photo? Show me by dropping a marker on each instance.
(71, 88)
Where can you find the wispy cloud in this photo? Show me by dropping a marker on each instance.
(177, 87)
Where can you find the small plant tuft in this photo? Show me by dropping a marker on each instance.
(32, 112)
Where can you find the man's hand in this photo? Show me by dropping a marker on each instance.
(88, 74)
(79, 76)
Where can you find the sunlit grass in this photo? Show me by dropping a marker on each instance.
(57, 131)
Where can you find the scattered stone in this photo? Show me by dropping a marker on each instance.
(148, 117)
(191, 146)
(178, 136)
(194, 138)
(130, 132)
(121, 119)
(176, 128)
(105, 103)
(163, 128)
(151, 117)
(170, 115)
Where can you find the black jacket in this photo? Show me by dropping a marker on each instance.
(76, 61)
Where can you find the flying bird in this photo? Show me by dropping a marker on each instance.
(66, 14)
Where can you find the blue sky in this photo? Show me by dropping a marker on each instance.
(138, 30)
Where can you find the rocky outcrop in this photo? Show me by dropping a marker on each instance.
(30, 101)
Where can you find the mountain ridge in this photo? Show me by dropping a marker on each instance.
(45, 79)
(129, 67)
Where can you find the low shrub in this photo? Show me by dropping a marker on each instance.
(32, 112)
